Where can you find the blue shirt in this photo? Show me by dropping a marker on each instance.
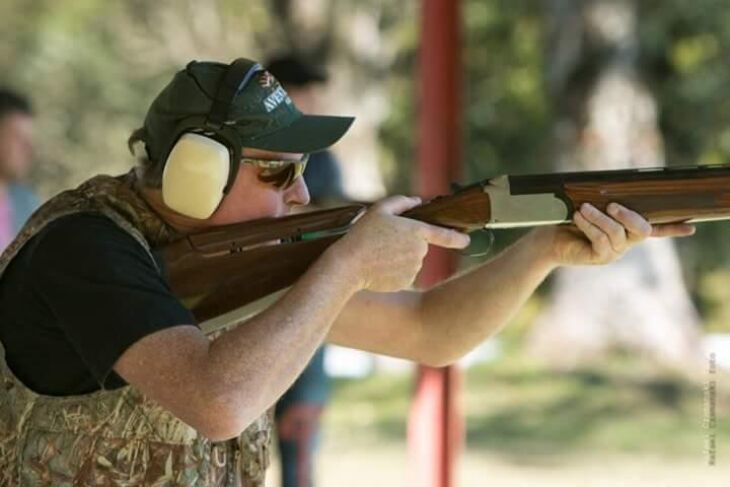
(23, 202)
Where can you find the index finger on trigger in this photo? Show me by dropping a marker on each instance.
(443, 237)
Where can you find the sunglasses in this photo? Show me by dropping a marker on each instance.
(280, 173)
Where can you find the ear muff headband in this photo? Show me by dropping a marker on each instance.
(202, 161)
(239, 73)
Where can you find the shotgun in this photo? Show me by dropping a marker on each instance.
(227, 267)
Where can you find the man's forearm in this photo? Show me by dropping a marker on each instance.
(256, 362)
(460, 313)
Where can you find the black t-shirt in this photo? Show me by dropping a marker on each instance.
(74, 299)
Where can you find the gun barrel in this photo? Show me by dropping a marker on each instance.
(661, 195)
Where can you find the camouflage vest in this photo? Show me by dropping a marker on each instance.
(112, 437)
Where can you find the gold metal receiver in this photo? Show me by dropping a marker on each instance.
(528, 210)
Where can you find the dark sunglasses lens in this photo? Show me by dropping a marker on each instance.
(281, 177)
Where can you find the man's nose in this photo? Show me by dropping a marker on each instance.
(298, 193)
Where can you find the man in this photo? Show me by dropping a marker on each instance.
(108, 380)
(299, 409)
(16, 151)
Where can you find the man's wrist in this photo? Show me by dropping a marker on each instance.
(335, 262)
(541, 242)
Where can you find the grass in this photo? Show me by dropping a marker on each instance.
(618, 423)
(523, 413)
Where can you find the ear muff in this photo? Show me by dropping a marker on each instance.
(195, 175)
(203, 159)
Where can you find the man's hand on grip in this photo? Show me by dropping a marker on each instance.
(385, 251)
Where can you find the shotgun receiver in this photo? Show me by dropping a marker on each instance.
(227, 267)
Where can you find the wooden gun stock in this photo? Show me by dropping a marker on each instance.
(219, 270)
(226, 267)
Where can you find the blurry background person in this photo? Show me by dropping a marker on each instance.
(17, 202)
(298, 411)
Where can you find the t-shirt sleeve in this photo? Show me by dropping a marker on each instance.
(102, 288)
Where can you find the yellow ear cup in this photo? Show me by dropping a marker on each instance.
(195, 174)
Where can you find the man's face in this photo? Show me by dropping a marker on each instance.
(250, 198)
(16, 145)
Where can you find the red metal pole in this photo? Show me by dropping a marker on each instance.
(434, 426)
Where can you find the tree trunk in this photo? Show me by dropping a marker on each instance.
(606, 118)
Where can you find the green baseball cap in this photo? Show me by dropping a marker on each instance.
(261, 114)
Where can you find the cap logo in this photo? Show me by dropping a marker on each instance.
(275, 99)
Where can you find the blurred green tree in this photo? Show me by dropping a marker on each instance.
(606, 117)
(92, 66)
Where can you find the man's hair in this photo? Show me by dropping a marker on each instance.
(13, 102)
(149, 172)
